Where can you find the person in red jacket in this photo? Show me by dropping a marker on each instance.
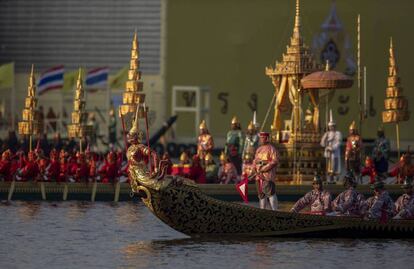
(109, 171)
(403, 169)
(369, 170)
(80, 170)
(197, 172)
(63, 167)
(30, 170)
(53, 169)
(6, 166)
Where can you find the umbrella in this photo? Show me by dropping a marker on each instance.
(326, 79)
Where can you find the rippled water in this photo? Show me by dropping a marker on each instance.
(127, 235)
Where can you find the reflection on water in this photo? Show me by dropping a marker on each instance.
(127, 235)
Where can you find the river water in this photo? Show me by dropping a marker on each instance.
(127, 235)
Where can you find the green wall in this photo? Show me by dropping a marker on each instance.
(227, 44)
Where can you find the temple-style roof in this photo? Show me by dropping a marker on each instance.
(298, 58)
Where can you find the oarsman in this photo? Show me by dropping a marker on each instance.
(80, 170)
(211, 169)
(53, 169)
(380, 206)
(166, 159)
(331, 141)
(404, 206)
(6, 173)
(30, 170)
(227, 172)
(109, 171)
(265, 162)
(318, 199)
(63, 167)
(353, 151)
(350, 202)
(234, 144)
(183, 168)
(205, 143)
(251, 141)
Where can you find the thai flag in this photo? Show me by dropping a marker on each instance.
(51, 79)
(97, 78)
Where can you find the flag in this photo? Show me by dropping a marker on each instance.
(97, 78)
(51, 79)
(69, 80)
(242, 188)
(7, 76)
(119, 79)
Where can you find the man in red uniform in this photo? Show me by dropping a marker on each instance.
(6, 166)
(53, 169)
(63, 167)
(197, 172)
(369, 170)
(30, 170)
(109, 171)
(80, 170)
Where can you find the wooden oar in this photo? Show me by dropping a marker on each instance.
(43, 190)
(117, 190)
(65, 192)
(11, 190)
(94, 187)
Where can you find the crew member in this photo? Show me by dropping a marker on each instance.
(404, 206)
(197, 172)
(369, 170)
(227, 172)
(403, 169)
(381, 151)
(6, 166)
(331, 141)
(380, 206)
(353, 151)
(109, 171)
(30, 170)
(252, 140)
(211, 169)
(205, 143)
(350, 202)
(265, 162)
(234, 144)
(318, 199)
(53, 169)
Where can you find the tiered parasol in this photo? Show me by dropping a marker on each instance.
(133, 94)
(324, 80)
(30, 124)
(396, 105)
(79, 128)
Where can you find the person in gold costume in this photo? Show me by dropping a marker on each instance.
(353, 152)
(205, 142)
(227, 172)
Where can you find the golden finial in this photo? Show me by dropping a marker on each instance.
(327, 66)
(135, 123)
(223, 156)
(234, 120)
(251, 126)
(208, 157)
(32, 81)
(352, 126)
(203, 125)
(184, 157)
(297, 17)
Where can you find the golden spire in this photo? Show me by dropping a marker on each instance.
(79, 127)
(296, 29)
(133, 94)
(30, 124)
(352, 126)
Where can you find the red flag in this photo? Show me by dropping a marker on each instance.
(242, 188)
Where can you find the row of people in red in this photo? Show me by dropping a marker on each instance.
(62, 167)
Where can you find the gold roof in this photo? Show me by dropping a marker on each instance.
(298, 58)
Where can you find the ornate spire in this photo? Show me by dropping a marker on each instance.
(30, 124)
(396, 105)
(79, 127)
(133, 94)
(296, 29)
